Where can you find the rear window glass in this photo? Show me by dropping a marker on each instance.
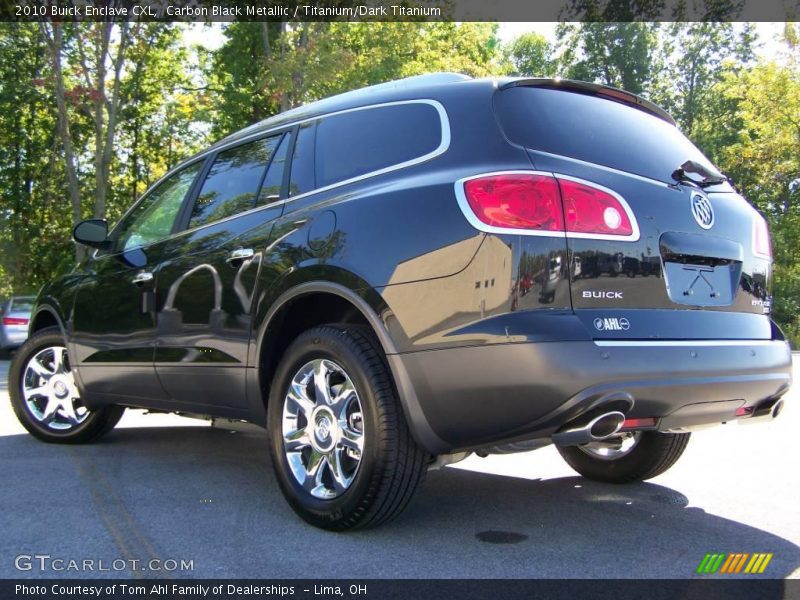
(302, 175)
(595, 130)
(22, 304)
(363, 141)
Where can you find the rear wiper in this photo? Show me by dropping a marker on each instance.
(707, 177)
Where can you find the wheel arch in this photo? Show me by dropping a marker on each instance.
(46, 316)
(281, 324)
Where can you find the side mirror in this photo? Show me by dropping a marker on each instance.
(92, 232)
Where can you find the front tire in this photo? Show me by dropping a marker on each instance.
(341, 449)
(45, 398)
(629, 457)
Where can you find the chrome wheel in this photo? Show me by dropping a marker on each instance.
(323, 429)
(49, 391)
(614, 447)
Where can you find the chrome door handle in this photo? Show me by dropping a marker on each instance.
(240, 254)
(142, 277)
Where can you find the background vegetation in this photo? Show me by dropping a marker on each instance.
(91, 114)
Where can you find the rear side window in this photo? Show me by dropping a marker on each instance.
(232, 183)
(21, 304)
(359, 142)
(594, 129)
(302, 176)
(273, 180)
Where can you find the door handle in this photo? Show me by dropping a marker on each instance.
(239, 255)
(143, 277)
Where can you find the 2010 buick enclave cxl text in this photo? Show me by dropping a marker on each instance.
(392, 278)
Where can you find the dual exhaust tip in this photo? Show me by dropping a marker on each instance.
(589, 430)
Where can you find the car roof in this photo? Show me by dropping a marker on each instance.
(425, 86)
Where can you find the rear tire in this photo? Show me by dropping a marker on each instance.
(45, 398)
(341, 449)
(652, 454)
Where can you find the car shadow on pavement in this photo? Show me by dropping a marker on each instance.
(209, 495)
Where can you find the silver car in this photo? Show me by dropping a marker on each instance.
(16, 314)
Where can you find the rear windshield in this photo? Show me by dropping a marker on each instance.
(594, 129)
(21, 304)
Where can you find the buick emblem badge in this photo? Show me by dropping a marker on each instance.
(703, 211)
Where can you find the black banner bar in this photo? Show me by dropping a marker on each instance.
(400, 10)
(434, 589)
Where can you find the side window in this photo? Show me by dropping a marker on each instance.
(363, 141)
(302, 177)
(232, 182)
(273, 181)
(152, 219)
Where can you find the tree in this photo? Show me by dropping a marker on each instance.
(263, 68)
(616, 54)
(764, 160)
(32, 196)
(531, 54)
(695, 56)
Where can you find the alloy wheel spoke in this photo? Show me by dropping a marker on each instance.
(58, 360)
(296, 440)
(352, 439)
(321, 387)
(298, 395)
(39, 369)
(68, 410)
(340, 402)
(34, 392)
(50, 410)
(313, 479)
(340, 481)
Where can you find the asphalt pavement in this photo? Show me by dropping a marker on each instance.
(167, 489)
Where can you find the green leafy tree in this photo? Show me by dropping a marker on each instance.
(531, 54)
(764, 160)
(616, 54)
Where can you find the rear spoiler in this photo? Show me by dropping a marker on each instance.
(594, 89)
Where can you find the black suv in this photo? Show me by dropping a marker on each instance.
(392, 278)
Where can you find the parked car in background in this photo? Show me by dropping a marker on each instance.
(387, 281)
(16, 314)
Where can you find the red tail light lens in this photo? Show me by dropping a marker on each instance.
(761, 242)
(592, 210)
(516, 201)
(539, 202)
(14, 321)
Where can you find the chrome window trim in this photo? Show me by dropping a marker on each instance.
(466, 209)
(444, 145)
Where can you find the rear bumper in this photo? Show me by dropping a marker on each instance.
(482, 395)
(10, 338)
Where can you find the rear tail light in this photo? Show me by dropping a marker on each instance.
(543, 204)
(517, 201)
(14, 321)
(761, 242)
(592, 210)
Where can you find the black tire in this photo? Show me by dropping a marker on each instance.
(391, 463)
(653, 454)
(93, 425)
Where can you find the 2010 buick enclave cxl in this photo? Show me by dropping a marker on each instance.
(392, 278)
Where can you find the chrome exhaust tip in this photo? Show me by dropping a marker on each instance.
(599, 428)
